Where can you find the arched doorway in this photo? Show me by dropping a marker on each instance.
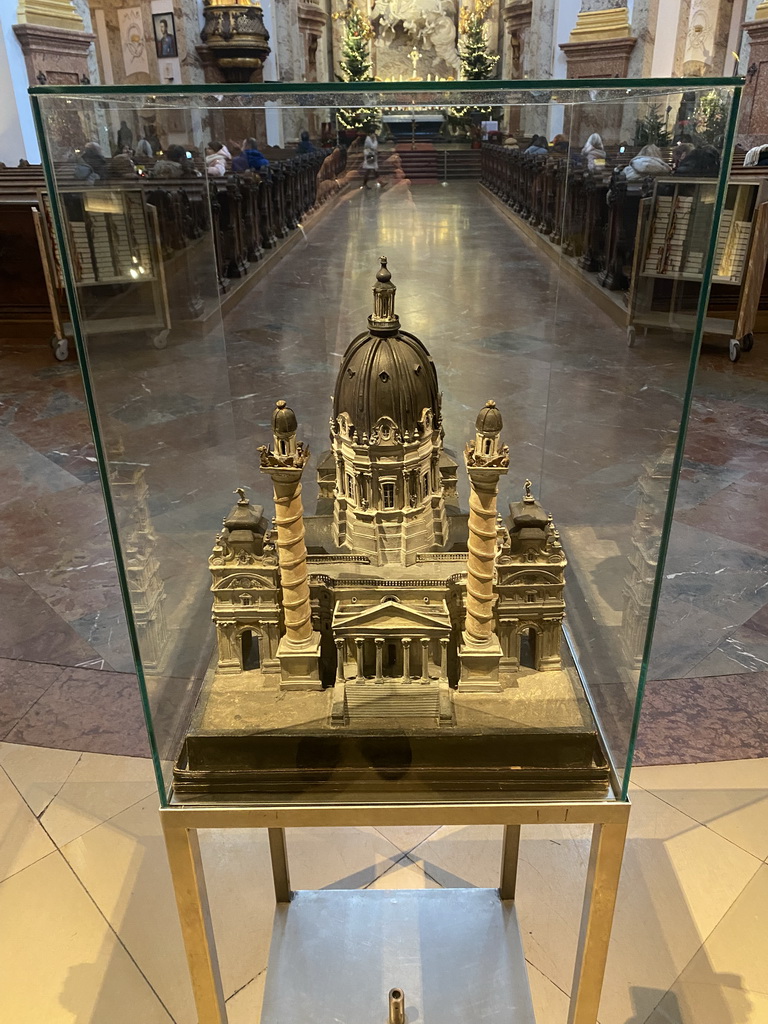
(249, 650)
(527, 652)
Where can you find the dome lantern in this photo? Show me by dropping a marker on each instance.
(284, 427)
(384, 320)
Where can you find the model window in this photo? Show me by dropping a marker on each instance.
(283, 448)
(350, 486)
(388, 495)
(425, 481)
(487, 446)
(530, 597)
(385, 431)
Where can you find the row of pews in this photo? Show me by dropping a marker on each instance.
(244, 217)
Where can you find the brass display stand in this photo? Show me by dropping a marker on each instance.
(459, 985)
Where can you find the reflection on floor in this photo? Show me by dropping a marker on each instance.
(65, 679)
(95, 937)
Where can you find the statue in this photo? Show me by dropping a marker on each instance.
(429, 24)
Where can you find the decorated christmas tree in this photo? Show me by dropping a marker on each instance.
(477, 63)
(356, 66)
(651, 130)
(709, 120)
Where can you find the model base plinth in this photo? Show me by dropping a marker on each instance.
(425, 942)
(250, 738)
(480, 666)
(300, 666)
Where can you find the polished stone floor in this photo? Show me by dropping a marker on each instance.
(95, 938)
(584, 416)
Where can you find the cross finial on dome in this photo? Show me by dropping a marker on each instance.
(384, 319)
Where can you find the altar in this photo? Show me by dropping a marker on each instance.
(419, 123)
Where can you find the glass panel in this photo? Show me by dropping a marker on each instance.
(400, 636)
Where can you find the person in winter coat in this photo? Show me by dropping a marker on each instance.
(256, 160)
(93, 156)
(305, 144)
(370, 157)
(701, 162)
(216, 159)
(593, 153)
(538, 147)
(648, 162)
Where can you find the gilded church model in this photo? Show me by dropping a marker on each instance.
(389, 594)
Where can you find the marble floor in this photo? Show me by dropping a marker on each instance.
(82, 869)
(95, 938)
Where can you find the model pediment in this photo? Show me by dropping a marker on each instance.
(242, 583)
(394, 616)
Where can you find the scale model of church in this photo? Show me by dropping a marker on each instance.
(390, 593)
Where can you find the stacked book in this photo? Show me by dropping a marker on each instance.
(670, 227)
(83, 260)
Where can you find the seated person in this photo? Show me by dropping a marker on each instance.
(647, 162)
(239, 161)
(256, 160)
(593, 153)
(305, 144)
(538, 147)
(701, 162)
(216, 159)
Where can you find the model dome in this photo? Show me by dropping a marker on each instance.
(283, 420)
(489, 419)
(387, 375)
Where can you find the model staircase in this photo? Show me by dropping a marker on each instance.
(393, 700)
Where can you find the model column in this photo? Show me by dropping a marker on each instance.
(486, 461)
(299, 649)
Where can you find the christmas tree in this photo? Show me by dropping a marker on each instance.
(356, 65)
(477, 63)
(710, 117)
(651, 130)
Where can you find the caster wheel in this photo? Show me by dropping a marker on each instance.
(734, 350)
(747, 342)
(160, 340)
(60, 348)
(631, 337)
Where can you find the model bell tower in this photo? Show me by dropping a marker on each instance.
(387, 442)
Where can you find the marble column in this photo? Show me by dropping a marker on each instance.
(425, 659)
(517, 16)
(706, 38)
(359, 654)
(538, 60)
(753, 118)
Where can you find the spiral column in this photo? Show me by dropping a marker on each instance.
(299, 648)
(486, 462)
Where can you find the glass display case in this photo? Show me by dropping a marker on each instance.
(390, 498)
